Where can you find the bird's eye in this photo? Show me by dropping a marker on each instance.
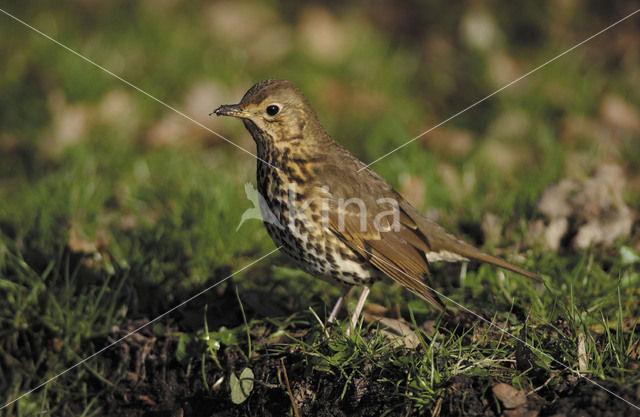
(272, 110)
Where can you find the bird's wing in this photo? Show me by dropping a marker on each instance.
(401, 247)
(394, 245)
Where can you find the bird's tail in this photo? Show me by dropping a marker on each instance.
(475, 254)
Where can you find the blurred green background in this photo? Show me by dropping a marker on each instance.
(112, 206)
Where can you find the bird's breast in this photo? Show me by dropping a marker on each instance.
(291, 196)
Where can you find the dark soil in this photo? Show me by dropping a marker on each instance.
(157, 385)
(146, 379)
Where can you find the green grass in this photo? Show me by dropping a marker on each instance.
(108, 227)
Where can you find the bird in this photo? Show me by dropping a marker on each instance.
(331, 213)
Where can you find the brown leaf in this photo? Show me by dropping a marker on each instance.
(510, 396)
(397, 331)
(375, 309)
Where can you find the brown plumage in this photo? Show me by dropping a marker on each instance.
(337, 218)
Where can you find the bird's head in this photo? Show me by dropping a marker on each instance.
(274, 111)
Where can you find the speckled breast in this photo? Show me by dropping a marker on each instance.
(301, 235)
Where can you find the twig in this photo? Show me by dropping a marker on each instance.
(286, 379)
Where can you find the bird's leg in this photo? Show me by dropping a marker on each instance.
(338, 306)
(358, 310)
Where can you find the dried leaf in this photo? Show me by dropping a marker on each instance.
(375, 309)
(397, 331)
(510, 396)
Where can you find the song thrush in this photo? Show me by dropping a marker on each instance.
(328, 211)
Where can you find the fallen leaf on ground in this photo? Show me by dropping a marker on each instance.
(375, 309)
(514, 400)
(397, 331)
(510, 396)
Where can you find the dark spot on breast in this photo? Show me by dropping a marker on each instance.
(296, 179)
(330, 258)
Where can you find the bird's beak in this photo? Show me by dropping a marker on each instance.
(233, 110)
